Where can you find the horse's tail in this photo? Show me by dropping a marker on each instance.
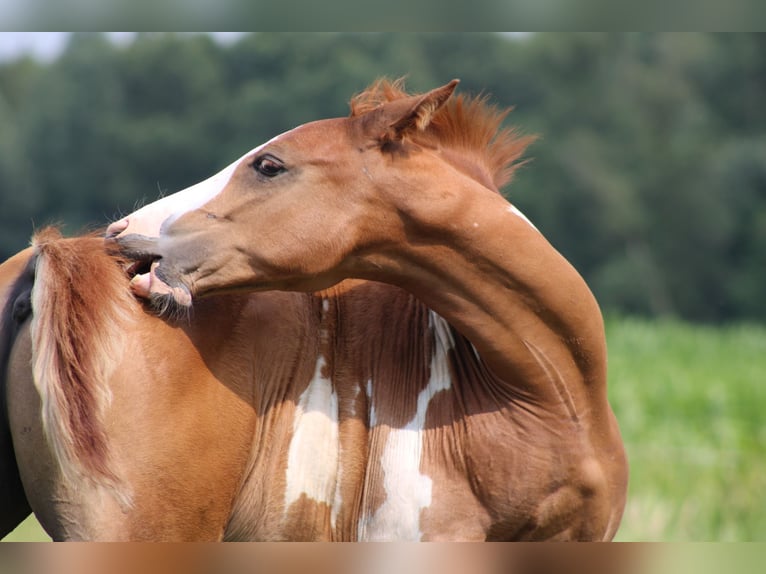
(80, 307)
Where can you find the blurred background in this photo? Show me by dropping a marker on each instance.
(649, 175)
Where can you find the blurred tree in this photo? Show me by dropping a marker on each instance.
(650, 174)
(172, 96)
(66, 124)
(20, 197)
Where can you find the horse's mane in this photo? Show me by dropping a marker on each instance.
(466, 123)
(80, 305)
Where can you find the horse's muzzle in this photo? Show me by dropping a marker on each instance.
(147, 279)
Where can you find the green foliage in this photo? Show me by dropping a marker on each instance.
(650, 175)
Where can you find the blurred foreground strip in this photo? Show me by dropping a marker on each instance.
(302, 558)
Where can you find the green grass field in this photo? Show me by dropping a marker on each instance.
(690, 401)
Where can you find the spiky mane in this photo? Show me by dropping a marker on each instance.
(469, 124)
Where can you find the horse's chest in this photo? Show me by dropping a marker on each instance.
(314, 449)
(381, 500)
(358, 462)
(365, 459)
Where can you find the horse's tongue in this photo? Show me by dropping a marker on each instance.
(145, 285)
(141, 284)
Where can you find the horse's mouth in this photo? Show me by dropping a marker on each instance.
(139, 252)
(164, 292)
(139, 267)
(166, 296)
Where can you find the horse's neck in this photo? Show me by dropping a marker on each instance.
(495, 278)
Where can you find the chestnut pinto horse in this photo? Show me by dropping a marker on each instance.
(381, 347)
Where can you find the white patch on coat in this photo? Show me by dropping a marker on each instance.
(373, 414)
(312, 460)
(517, 212)
(408, 491)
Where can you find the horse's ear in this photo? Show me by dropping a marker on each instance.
(393, 120)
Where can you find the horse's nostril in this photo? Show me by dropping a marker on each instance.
(116, 228)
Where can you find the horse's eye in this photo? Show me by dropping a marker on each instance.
(268, 165)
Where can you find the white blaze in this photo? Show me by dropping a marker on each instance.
(312, 461)
(407, 490)
(148, 219)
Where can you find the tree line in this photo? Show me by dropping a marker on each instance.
(649, 173)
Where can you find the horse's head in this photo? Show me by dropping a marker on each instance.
(310, 207)
(290, 214)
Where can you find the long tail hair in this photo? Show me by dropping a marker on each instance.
(80, 306)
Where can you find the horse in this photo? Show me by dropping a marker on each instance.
(347, 334)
